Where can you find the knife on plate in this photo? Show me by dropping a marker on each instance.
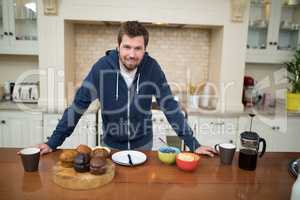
(129, 158)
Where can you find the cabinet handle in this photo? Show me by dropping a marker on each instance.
(5, 33)
(277, 128)
(275, 43)
(270, 43)
(217, 123)
(154, 120)
(11, 34)
(48, 137)
(161, 120)
(3, 122)
(273, 128)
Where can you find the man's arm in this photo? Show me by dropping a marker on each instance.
(84, 96)
(172, 111)
(175, 117)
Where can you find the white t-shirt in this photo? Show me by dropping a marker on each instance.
(127, 75)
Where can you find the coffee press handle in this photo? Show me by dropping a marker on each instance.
(264, 146)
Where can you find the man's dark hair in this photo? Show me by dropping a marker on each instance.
(133, 29)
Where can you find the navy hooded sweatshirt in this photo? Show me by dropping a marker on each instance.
(126, 112)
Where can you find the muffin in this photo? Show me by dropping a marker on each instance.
(84, 149)
(82, 162)
(97, 166)
(100, 152)
(67, 157)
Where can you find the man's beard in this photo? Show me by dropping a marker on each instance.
(128, 68)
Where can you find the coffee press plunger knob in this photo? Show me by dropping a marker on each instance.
(251, 115)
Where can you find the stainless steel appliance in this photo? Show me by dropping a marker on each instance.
(294, 166)
(26, 92)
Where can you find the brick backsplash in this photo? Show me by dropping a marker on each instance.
(183, 53)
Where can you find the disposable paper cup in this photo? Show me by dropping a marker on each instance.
(30, 158)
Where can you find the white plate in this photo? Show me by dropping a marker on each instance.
(121, 157)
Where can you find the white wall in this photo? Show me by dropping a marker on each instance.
(12, 66)
(198, 12)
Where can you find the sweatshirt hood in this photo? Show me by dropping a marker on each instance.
(113, 59)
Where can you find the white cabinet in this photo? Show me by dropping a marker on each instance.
(18, 27)
(211, 130)
(161, 129)
(281, 133)
(84, 133)
(20, 129)
(273, 32)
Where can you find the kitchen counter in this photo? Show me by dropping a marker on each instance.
(154, 180)
(34, 107)
(279, 110)
(12, 106)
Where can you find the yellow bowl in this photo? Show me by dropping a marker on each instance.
(167, 155)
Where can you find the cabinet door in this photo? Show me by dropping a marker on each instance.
(292, 134)
(84, 132)
(288, 25)
(273, 33)
(20, 129)
(18, 27)
(259, 28)
(24, 132)
(4, 27)
(50, 122)
(214, 130)
(160, 129)
(280, 133)
(3, 131)
(23, 26)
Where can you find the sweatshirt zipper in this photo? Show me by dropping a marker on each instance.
(128, 108)
(128, 118)
(128, 111)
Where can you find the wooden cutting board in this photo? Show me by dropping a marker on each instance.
(70, 179)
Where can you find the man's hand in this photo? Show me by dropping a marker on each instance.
(44, 148)
(206, 150)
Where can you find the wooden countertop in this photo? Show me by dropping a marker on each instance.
(154, 180)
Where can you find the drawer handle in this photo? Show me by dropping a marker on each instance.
(3, 122)
(217, 123)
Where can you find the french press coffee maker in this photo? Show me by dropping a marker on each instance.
(250, 142)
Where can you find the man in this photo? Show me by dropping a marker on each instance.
(124, 81)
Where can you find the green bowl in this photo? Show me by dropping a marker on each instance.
(167, 155)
